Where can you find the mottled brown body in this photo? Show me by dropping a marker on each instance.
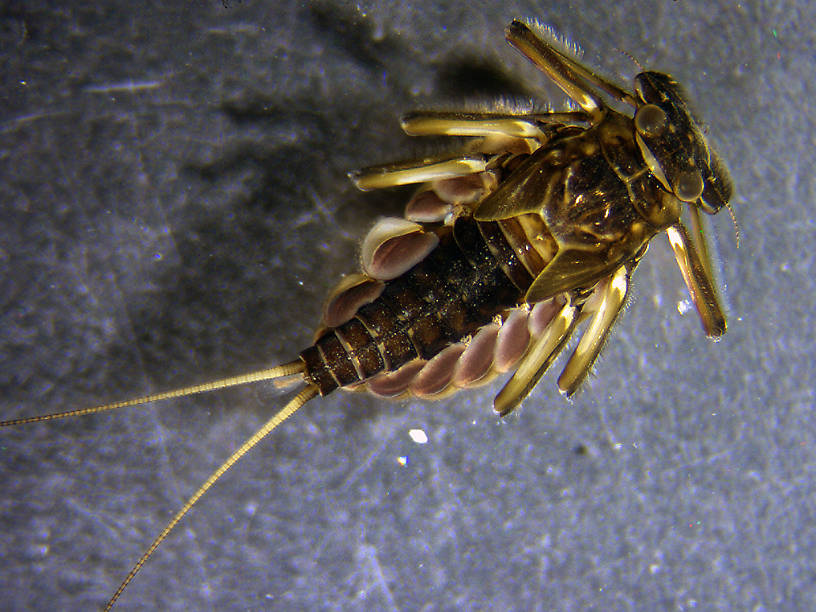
(592, 203)
(472, 275)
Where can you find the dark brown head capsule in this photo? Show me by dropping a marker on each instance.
(672, 143)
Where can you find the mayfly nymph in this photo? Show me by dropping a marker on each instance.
(505, 248)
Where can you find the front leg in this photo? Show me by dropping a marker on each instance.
(694, 265)
(574, 78)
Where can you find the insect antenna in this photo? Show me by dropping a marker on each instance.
(293, 406)
(631, 58)
(734, 219)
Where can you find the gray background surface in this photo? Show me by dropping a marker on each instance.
(174, 208)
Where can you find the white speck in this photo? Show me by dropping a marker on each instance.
(251, 508)
(654, 568)
(403, 461)
(683, 306)
(617, 446)
(418, 436)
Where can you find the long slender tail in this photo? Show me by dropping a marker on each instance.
(287, 369)
(281, 371)
(293, 406)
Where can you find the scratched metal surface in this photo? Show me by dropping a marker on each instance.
(174, 206)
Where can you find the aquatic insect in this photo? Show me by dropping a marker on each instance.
(506, 247)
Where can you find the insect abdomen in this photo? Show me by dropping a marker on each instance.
(472, 275)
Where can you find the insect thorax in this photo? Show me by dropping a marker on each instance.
(596, 200)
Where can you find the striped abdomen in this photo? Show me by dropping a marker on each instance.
(470, 277)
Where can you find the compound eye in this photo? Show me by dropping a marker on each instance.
(688, 186)
(650, 120)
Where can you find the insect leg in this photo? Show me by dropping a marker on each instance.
(695, 269)
(571, 76)
(434, 123)
(538, 358)
(418, 171)
(606, 301)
